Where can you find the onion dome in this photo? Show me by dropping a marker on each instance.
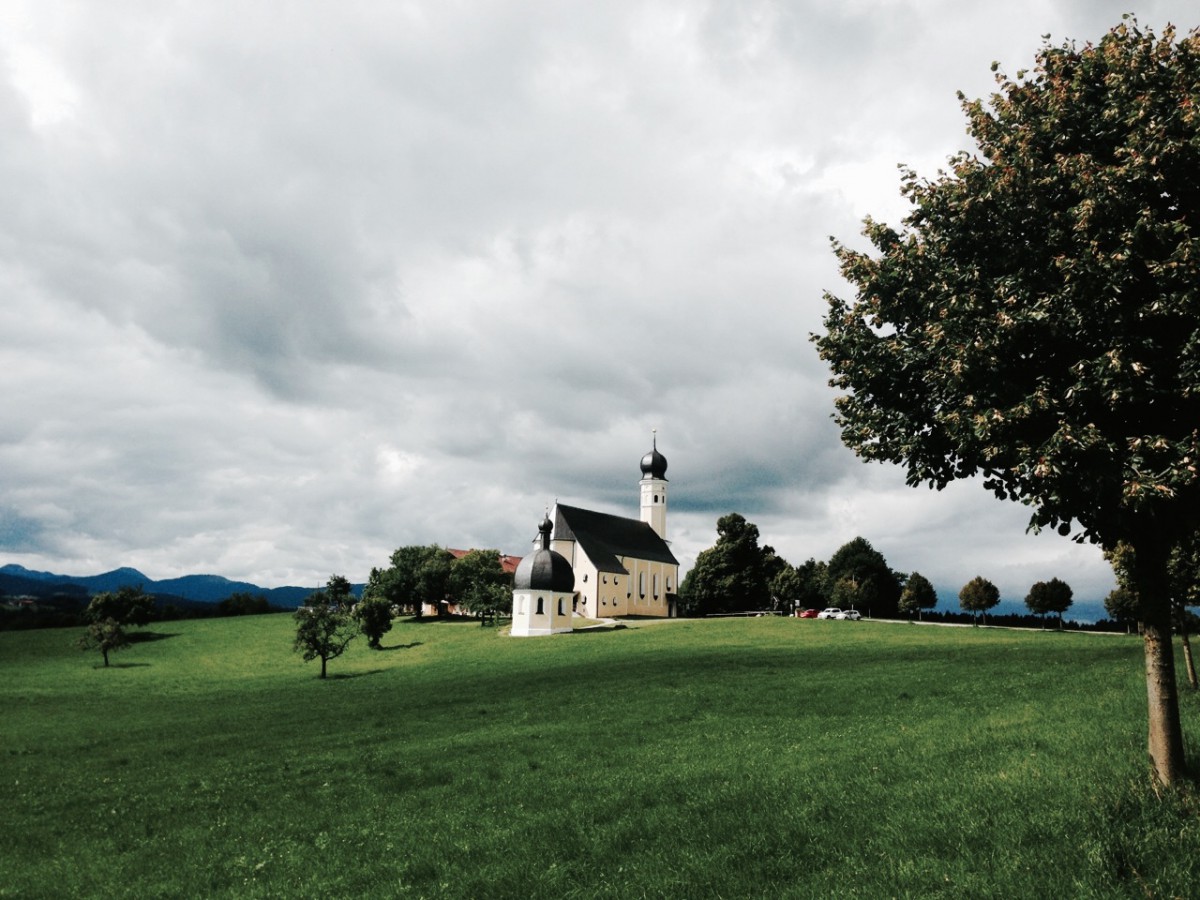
(654, 464)
(544, 569)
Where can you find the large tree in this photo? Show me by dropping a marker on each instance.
(1037, 320)
(479, 584)
(859, 578)
(418, 574)
(1053, 596)
(730, 575)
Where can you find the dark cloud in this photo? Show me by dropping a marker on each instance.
(287, 288)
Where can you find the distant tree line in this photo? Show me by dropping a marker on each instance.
(738, 575)
(64, 609)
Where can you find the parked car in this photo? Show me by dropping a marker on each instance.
(830, 612)
(808, 614)
(852, 615)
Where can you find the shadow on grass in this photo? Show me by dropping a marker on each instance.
(599, 629)
(403, 646)
(122, 665)
(342, 676)
(145, 637)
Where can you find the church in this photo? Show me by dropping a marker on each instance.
(620, 566)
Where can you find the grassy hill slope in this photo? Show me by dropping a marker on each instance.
(760, 757)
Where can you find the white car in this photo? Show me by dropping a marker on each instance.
(830, 612)
(852, 615)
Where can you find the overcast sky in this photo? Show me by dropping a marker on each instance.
(284, 286)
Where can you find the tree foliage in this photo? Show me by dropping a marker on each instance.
(418, 574)
(814, 584)
(1037, 321)
(126, 606)
(978, 596)
(241, 603)
(1053, 596)
(859, 578)
(479, 584)
(374, 617)
(730, 575)
(324, 625)
(918, 594)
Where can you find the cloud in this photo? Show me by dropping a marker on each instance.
(291, 287)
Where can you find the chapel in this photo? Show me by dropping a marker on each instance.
(622, 566)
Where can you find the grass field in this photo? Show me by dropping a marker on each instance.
(716, 758)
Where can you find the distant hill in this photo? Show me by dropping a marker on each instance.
(17, 580)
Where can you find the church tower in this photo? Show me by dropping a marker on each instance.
(654, 490)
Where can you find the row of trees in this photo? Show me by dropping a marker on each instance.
(737, 575)
(430, 575)
(418, 576)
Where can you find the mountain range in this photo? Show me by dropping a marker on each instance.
(17, 580)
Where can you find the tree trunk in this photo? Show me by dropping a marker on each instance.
(1165, 739)
(323, 661)
(1187, 657)
(104, 653)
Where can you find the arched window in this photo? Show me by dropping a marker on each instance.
(642, 583)
(655, 585)
(540, 610)
(561, 612)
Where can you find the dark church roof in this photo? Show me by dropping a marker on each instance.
(605, 538)
(543, 569)
(654, 464)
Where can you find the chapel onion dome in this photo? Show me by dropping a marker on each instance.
(654, 464)
(544, 569)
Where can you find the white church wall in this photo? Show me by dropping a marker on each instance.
(540, 612)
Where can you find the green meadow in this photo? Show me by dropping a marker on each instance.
(708, 758)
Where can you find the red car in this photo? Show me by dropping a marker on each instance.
(807, 614)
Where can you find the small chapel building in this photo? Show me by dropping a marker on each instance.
(622, 566)
(543, 590)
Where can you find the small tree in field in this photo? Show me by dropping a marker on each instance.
(978, 596)
(105, 635)
(918, 594)
(374, 617)
(324, 626)
(1036, 323)
(1053, 596)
